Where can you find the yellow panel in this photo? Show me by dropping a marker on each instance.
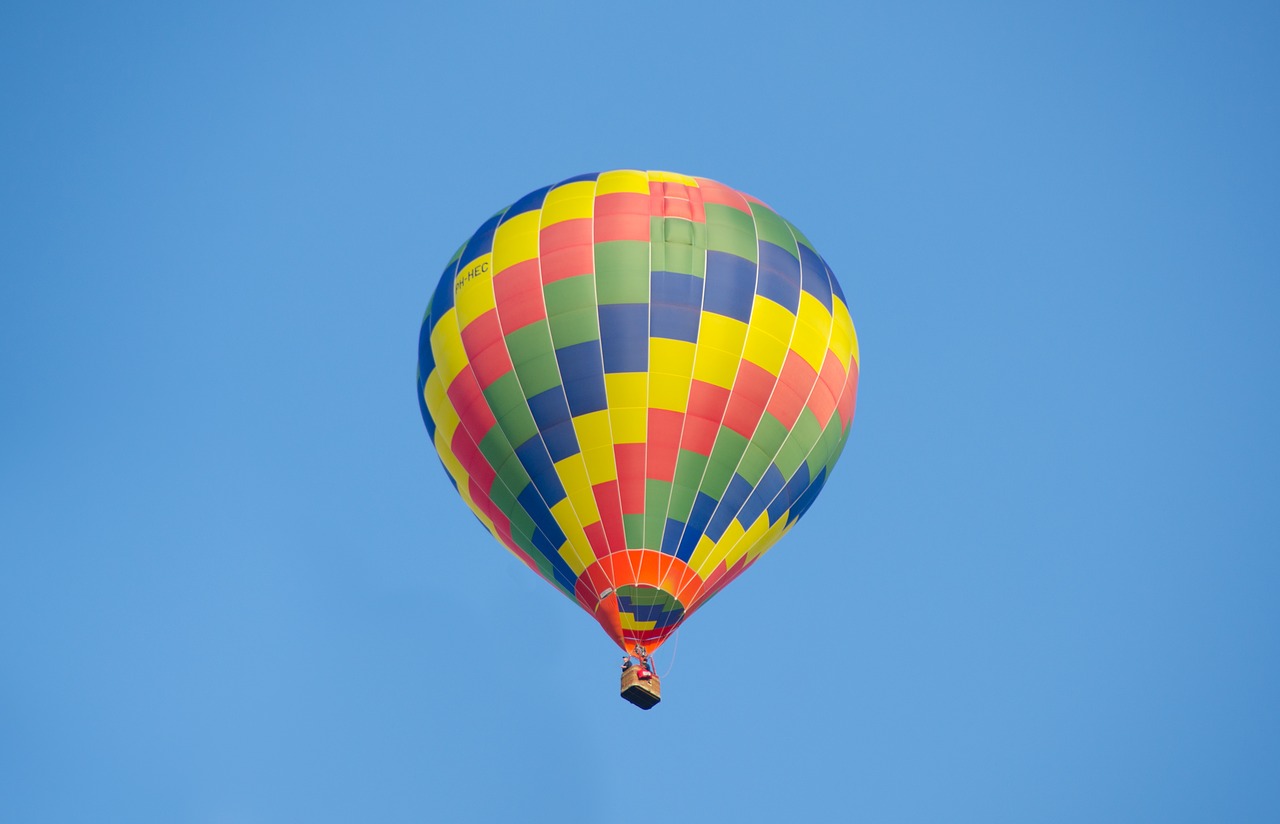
(601, 466)
(567, 202)
(446, 348)
(770, 538)
(843, 341)
(734, 552)
(584, 503)
(765, 350)
(628, 622)
(671, 177)
(771, 317)
(593, 430)
(630, 423)
(516, 241)
(813, 331)
(572, 473)
(701, 552)
(442, 412)
(622, 181)
(716, 367)
(575, 550)
(669, 392)
(674, 357)
(625, 389)
(721, 332)
(474, 290)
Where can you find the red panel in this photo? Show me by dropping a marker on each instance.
(707, 400)
(629, 458)
(743, 415)
(481, 332)
(677, 207)
(845, 406)
(491, 364)
(751, 391)
(622, 216)
(518, 291)
(713, 192)
(472, 408)
(597, 538)
(568, 262)
(696, 212)
(794, 385)
(564, 235)
(700, 434)
(607, 501)
(473, 463)
(785, 405)
(664, 443)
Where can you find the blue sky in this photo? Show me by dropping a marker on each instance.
(236, 586)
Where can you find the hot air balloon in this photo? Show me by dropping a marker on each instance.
(638, 382)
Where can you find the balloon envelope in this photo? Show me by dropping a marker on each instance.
(638, 382)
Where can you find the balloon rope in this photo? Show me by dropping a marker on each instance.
(674, 650)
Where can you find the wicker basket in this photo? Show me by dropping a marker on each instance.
(643, 692)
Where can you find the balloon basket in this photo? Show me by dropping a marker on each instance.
(645, 691)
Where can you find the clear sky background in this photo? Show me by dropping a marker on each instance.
(1042, 586)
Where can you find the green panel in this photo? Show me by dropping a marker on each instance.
(729, 230)
(577, 292)
(774, 229)
(680, 258)
(723, 462)
(622, 271)
(656, 496)
(804, 435)
(769, 434)
(576, 326)
(518, 425)
(513, 475)
(538, 374)
(827, 447)
(529, 342)
(504, 499)
(495, 447)
(633, 526)
(800, 236)
(677, 230)
(504, 394)
(689, 469)
(754, 462)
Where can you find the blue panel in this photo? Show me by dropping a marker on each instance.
(730, 285)
(676, 288)
(790, 494)
(814, 276)
(528, 203)
(703, 507)
(734, 497)
(779, 276)
(426, 364)
(579, 178)
(481, 243)
(549, 408)
(806, 500)
(534, 458)
(561, 440)
(770, 485)
(582, 370)
(671, 536)
(835, 284)
(624, 336)
(560, 568)
(674, 322)
(442, 298)
(545, 521)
